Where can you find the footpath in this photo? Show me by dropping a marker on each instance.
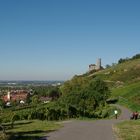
(89, 130)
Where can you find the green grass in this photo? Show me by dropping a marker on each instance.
(129, 96)
(128, 130)
(33, 129)
(127, 72)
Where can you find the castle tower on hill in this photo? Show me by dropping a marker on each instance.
(98, 66)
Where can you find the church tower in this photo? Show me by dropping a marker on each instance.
(8, 95)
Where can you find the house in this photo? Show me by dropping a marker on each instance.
(15, 95)
(97, 66)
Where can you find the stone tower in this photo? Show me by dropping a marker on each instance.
(98, 66)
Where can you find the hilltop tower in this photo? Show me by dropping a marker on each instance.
(98, 66)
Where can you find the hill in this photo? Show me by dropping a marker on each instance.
(127, 72)
(122, 79)
(124, 82)
(128, 95)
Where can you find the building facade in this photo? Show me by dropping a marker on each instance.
(97, 66)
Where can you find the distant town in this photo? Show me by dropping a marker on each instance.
(20, 91)
(23, 83)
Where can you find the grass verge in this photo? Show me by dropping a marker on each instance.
(128, 130)
(30, 130)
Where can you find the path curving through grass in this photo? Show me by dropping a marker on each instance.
(89, 130)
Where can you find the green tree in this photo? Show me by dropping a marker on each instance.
(35, 100)
(14, 118)
(137, 56)
(107, 66)
(54, 93)
(2, 104)
(102, 91)
(28, 99)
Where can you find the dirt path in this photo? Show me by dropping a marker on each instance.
(88, 130)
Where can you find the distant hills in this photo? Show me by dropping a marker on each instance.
(16, 83)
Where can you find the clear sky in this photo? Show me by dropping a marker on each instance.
(57, 39)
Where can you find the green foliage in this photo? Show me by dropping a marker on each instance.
(54, 93)
(84, 100)
(28, 99)
(76, 85)
(35, 100)
(1, 103)
(84, 96)
(13, 119)
(6, 116)
(107, 66)
(48, 91)
(137, 56)
(122, 60)
(127, 72)
(102, 91)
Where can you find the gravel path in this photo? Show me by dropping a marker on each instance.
(88, 130)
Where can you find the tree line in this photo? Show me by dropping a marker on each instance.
(80, 97)
(122, 60)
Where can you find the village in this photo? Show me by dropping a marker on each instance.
(21, 97)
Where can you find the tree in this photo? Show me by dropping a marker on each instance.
(107, 66)
(137, 56)
(102, 92)
(2, 104)
(13, 119)
(114, 64)
(54, 93)
(82, 96)
(35, 100)
(28, 99)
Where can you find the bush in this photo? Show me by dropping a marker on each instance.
(105, 113)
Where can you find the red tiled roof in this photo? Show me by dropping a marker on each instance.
(16, 96)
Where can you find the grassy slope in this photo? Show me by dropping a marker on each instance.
(129, 96)
(127, 72)
(124, 81)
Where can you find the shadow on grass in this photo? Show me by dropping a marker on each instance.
(31, 135)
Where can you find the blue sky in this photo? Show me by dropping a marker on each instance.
(57, 39)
